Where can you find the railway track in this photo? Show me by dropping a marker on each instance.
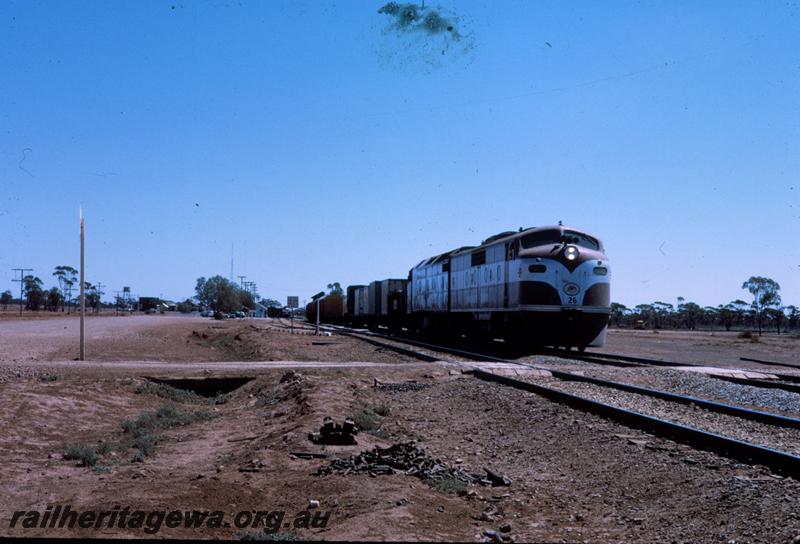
(787, 382)
(778, 461)
(770, 363)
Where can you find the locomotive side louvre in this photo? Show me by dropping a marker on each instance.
(478, 279)
(429, 285)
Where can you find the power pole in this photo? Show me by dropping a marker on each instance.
(21, 281)
(241, 281)
(98, 291)
(83, 291)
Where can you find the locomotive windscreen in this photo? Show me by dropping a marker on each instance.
(580, 239)
(554, 236)
(541, 238)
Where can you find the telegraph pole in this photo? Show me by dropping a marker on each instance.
(83, 290)
(241, 281)
(98, 291)
(21, 281)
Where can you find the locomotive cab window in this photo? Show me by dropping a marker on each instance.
(541, 238)
(580, 239)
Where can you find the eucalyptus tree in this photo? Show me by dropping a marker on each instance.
(765, 295)
(33, 292)
(67, 277)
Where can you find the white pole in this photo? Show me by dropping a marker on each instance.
(83, 287)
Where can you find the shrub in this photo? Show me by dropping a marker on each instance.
(166, 416)
(172, 393)
(448, 484)
(81, 452)
(366, 420)
(382, 410)
(266, 398)
(104, 448)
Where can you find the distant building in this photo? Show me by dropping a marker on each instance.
(148, 303)
(260, 311)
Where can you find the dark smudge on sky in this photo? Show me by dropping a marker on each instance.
(423, 35)
(415, 17)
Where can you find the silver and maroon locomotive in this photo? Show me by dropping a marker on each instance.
(543, 286)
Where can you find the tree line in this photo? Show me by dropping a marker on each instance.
(764, 311)
(222, 295)
(35, 297)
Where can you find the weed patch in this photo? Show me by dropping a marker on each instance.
(142, 430)
(366, 420)
(81, 452)
(172, 393)
(448, 484)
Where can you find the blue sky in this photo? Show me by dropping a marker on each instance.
(326, 145)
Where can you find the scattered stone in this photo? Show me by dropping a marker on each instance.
(496, 479)
(313, 503)
(401, 387)
(405, 458)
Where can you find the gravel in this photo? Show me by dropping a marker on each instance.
(683, 382)
(787, 440)
(705, 387)
(697, 385)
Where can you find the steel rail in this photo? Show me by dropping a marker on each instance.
(611, 356)
(398, 349)
(777, 461)
(769, 384)
(713, 406)
(763, 362)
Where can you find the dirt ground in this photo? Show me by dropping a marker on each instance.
(704, 347)
(574, 477)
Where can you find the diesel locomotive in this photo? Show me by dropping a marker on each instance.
(542, 286)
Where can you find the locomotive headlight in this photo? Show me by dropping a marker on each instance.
(571, 253)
